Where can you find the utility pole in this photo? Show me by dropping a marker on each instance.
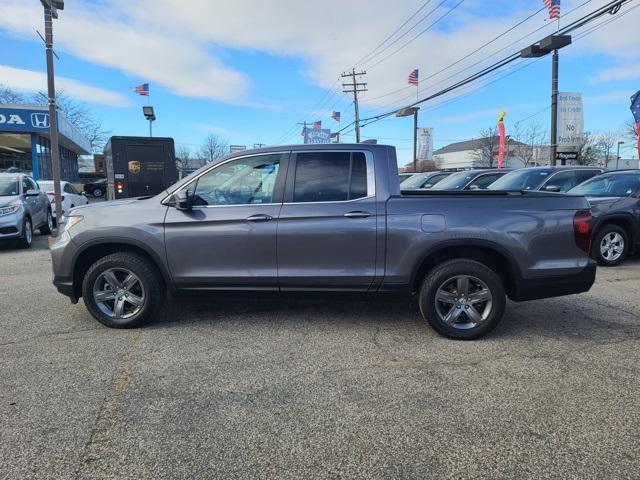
(355, 88)
(304, 130)
(51, 8)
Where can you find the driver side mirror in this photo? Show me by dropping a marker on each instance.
(32, 192)
(552, 188)
(181, 200)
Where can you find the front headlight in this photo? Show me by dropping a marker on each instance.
(68, 222)
(9, 210)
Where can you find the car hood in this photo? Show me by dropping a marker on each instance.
(10, 200)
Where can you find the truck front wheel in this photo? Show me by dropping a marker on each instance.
(462, 299)
(123, 290)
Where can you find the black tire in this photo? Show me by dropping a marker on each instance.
(25, 240)
(97, 192)
(611, 258)
(150, 279)
(47, 228)
(477, 274)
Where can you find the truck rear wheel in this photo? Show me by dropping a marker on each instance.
(462, 299)
(123, 290)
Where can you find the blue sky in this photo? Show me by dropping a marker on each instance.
(248, 71)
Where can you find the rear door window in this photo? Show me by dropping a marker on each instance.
(330, 177)
(483, 181)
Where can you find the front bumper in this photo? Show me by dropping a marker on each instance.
(62, 255)
(11, 225)
(556, 286)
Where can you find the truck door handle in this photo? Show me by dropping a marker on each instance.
(357, 214)
(259, 218)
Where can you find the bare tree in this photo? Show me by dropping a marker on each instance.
(80, 117)
(607, 143)
(8, 95)
(589, 150)
(630, 131)
(528, 144)
(76, 112)
(213, 147)
(486, 152)
(183, 153)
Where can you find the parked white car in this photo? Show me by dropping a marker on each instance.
(71, 197)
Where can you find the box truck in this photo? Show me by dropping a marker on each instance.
(139, 166)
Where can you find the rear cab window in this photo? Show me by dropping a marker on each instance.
(330, 177)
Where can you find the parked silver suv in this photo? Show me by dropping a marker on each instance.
(23, 209)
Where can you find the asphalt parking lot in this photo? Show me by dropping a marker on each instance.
(294, 389)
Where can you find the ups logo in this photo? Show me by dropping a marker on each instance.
(134, 166)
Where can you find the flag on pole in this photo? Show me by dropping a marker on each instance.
(635, 110)
(502, 137)
(317, 124)
(413, 77)
(336, 116)
(554, 8)
(142, 89)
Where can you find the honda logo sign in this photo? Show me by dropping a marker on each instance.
(40, 120)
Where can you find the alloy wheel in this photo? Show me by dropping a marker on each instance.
(612, 246)
(463, 302)
(119, 293)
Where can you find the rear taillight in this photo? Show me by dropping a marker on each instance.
(53, 197)
(582, 226)
(119, 187)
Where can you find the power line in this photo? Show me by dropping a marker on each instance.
(390, 36)
(422, 32)
(505, 61)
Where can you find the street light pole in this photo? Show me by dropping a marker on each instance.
(618, 155)
(50, 12)
(405, 112)
(415, 140)
(554, 109)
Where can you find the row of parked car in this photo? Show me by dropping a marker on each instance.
(614, 197)
(27, 205)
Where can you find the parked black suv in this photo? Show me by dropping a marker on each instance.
(615, 203)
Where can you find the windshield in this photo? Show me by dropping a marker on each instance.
(415, 181)
(521, 180)
(456, 181)
(9, 186)
(609, 186)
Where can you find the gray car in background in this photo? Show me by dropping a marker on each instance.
(425, 180)
(478, 179)
(23, 209)
(548, 179)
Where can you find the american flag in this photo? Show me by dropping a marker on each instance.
(336, 116)
(143, 89)
(554, 8)
(413, 77)
(317, 124)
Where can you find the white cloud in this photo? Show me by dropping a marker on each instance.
(184, 45)
(468, 117)
(628, 72)
(31, 81)
(609, 97)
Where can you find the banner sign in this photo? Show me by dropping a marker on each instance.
(237, 148)
(570, 121)
(425, 143)
(317, 135)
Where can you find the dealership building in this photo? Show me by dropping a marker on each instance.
(25, 145)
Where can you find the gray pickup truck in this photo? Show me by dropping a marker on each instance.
(325, 218)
